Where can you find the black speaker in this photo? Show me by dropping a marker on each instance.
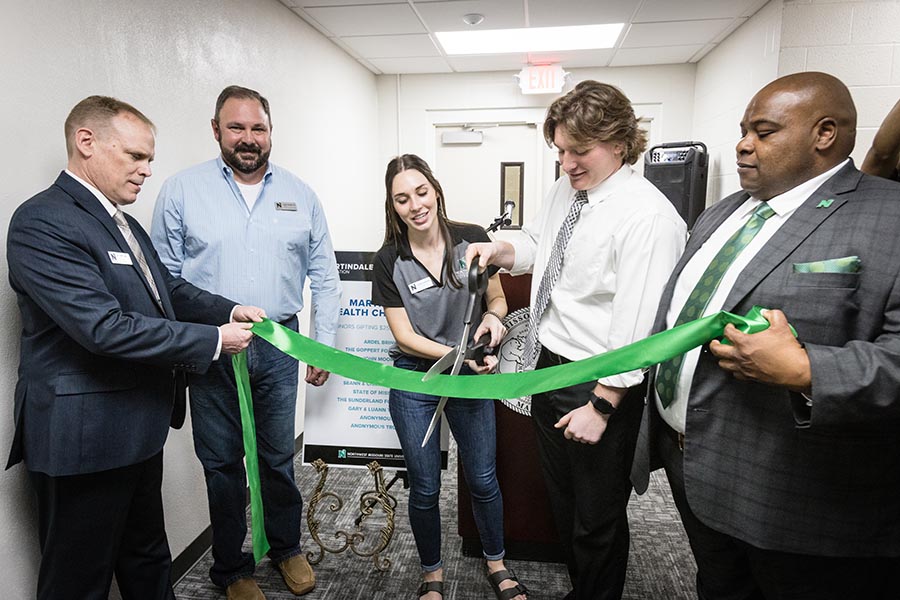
(678, 170)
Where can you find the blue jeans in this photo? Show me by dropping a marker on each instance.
(473, 426)
(219, 446)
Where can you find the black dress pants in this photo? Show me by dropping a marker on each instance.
(730, 569)
(97, 524)
(588, 486)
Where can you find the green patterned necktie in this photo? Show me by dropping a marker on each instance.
(667, 375)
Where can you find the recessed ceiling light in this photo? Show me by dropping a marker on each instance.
(532, 39)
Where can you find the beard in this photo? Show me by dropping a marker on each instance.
(233, 159)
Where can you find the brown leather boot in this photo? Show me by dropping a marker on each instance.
(244, 589)
(298, 575)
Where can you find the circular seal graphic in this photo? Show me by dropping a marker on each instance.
(510, 355)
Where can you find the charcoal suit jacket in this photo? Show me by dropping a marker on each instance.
(759, 464)
(97, 381)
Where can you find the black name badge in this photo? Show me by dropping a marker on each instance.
(291, 206)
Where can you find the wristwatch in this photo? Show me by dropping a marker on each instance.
(602, 405)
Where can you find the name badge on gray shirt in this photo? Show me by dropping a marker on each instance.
(422, 284)
(292, 206)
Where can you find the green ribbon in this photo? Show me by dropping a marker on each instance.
(248, 425)
(641, 354)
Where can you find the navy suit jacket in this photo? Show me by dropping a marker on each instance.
(759, 464)
(98, 359)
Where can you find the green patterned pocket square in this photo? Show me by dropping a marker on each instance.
(847, 264)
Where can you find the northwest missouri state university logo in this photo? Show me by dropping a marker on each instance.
(342, 453)
(510, 355)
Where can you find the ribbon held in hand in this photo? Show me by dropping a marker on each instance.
(639, 355)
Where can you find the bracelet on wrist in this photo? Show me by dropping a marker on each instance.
(602, 405)
(490, 312)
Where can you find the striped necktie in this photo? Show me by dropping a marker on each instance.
(549, 279)
(125, 228)
(667, 375)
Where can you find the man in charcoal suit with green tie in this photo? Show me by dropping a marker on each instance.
(782, 453)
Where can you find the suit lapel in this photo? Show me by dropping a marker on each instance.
(86, 200)
(805, 220)
(154, 266)
(705, 226)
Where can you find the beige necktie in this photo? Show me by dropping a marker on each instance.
(119, 217)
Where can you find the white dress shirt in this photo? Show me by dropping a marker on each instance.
(784, 206)
(623, 249)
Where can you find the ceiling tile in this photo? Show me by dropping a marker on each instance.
(411, 65)
(553, 13)
(649, 35)
(392, 36)
(663, 55)
(371, 19)
(314, 3)
(735, 23)
(369, 66)
(391, 46)
(691, 10)
(573, 58)
(492, 62)
(447, 16)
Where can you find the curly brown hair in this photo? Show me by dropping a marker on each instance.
(597, 112)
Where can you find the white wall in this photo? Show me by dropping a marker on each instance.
(727, 78)
(857, 42)
(170, 58)
(410, 105)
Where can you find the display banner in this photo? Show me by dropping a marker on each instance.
(346, 422)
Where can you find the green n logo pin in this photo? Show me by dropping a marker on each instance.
(825, 203)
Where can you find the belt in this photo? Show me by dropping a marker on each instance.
(675, 436)
(553, 357)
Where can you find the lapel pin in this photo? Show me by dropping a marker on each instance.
(825, 203)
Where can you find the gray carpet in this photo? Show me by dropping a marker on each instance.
(660, 565)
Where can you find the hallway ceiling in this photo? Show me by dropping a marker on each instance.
(395, 36)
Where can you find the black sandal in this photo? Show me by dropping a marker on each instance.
(495, 578)
(431, 586)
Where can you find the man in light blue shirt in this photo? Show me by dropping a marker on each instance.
(247, 229)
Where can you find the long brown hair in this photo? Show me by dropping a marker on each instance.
(395, 230)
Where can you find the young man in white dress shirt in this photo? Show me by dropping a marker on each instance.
(622, 249)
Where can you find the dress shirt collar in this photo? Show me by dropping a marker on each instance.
(229, 172)
(787, 202)
(104, 201)
(608, 186)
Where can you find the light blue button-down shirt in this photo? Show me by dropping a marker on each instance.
(205, 233)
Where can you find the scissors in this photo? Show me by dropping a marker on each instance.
(477, 284)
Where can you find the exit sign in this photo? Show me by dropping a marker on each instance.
(542, 79)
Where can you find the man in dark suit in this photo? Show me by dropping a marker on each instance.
(102, 339)
(783, 453)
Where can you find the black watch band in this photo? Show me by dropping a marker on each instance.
(602, 405)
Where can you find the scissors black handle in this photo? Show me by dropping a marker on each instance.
(481, 349)
(477, 286)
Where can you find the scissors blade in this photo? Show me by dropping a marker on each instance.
(457, 366)
(434, 420)
(442, 364)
